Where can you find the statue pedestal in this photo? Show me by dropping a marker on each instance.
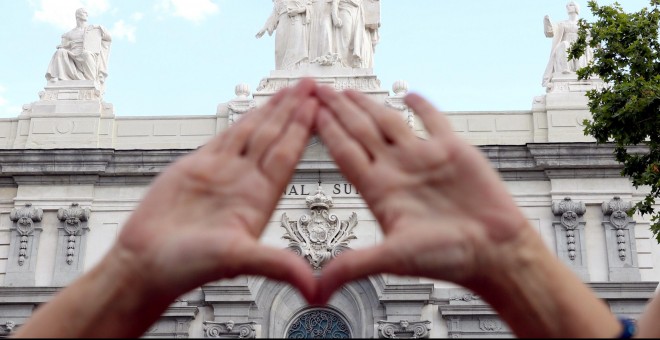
(567, 106)
(69, 114)
(341, 78)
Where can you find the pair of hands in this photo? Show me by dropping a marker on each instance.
(443, 210)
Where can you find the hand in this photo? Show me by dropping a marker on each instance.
(260, 33)
(443, 209)
(336, 20)
(202, 218)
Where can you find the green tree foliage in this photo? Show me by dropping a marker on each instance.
(627, 111)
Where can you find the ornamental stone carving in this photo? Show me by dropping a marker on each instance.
(25, 218)
(617, 209)
(319, 236)
(7, 328)
(72, 219)
(490, 324)
(241, 104)
(620, 240)
(569, 235)
(396, 101)
(230, 330)
(404, 329)
(570, 213)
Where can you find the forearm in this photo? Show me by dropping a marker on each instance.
(647, 326)
(538, 296)
(112, 300)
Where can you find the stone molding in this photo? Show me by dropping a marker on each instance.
(108, 166)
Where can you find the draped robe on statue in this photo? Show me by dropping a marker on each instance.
(352, 40)
(291, 48)
(321, 29)
(72, 61)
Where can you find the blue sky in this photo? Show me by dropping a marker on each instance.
(184, 57)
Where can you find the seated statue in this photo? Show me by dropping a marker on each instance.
(83, 53)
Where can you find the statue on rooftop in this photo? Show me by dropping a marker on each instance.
(289, 18)
(564, 34)
(83, 53)
(324, 32)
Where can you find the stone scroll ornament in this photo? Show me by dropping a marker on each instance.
(404, 329)
(319, 236)
(570, 212)
(617, 209)
(72, 218)
(25, 218)
(230, 330)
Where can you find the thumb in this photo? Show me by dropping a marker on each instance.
(350, 266)
(281, 265)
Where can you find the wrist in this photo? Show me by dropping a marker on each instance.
(536, 294)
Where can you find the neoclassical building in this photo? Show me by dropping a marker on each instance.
(71, 172)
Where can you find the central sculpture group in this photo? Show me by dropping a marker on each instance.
(325, 32)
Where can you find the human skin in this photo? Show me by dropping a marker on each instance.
(446, 215)
(199, 222)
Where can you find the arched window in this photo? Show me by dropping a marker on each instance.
(319, 324)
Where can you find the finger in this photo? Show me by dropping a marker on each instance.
(350, 266)
(434, 121)
(274, 122)
(281, 265)
(281, 157)
(233, 140)
(349, 155)
(389, 121)
(353, 119)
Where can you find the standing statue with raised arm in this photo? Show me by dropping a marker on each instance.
(83, 53)
(289, 18)
(564, 34)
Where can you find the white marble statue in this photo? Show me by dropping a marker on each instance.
(564, 34)
(83, 53)
(324, 32)
(353, 40)
(321, 30)
(289, 18)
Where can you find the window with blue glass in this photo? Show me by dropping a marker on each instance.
(319, 324)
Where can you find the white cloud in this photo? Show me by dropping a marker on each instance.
(122, 30)
(193, 10)
(61, 13)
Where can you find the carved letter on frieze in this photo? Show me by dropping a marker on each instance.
(404, 329)
(230, 330)
(319, 236)
(570, 213)
(72, 218)
(24, 219)
(617, 209)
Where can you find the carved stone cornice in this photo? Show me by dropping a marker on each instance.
(230, 330)
(319, 236)
(404, 329)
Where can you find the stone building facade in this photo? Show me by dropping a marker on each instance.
(71, 172)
